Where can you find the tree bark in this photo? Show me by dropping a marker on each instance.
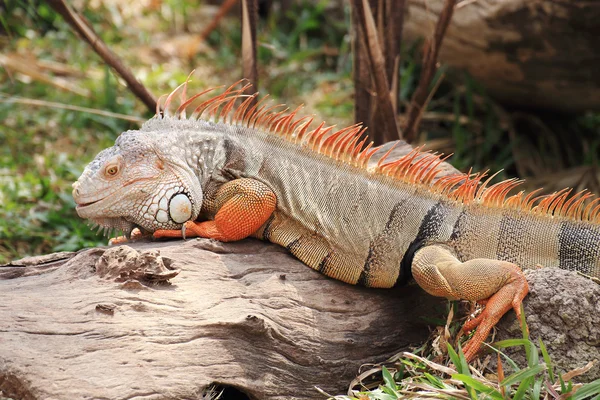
(542, 54)
(105, 323)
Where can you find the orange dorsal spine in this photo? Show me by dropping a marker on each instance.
(350, 146)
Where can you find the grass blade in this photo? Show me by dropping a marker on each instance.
(456, 360)
(547, 360)
(530, 349)
(525, 384)
(387, 378)
(587, 390)
(479, 386)
(523, 374)
(463, 362)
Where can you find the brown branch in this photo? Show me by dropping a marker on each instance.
(430, 56)
(377, 65)
(361, 77)
(223, 10)
(427, 100)
(393, 40)
(51, 104)
(84, 28)
(249, 21)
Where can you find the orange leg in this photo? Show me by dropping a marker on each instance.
(500, 285)
(244, 206)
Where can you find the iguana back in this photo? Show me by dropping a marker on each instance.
(333, 213)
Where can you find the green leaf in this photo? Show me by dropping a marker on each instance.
(523, 374)
(463, 361)
(531, 350)
(399, 375)
(462, 366)
(588, 390)
(510, 362)
(434, 380)
(477, 385)
(388, 379)
(563, 387)
(548, 361)
(525, 384)
(469, 98)
(456, 361)
(537, 389)
(511, 343)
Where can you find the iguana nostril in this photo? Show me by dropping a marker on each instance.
(75, 187)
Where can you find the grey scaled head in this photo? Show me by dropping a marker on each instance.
(142, 181)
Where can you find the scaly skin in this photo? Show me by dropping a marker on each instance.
(343, 209)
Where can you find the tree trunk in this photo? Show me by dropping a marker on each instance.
(542, 54)
(105, 323)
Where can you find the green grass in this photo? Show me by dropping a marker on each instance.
(44, 150)
(413, 376)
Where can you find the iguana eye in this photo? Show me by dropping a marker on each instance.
(111, 170)
(180, 208)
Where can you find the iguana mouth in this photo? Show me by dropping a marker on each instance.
(84, 206)
(81, 205)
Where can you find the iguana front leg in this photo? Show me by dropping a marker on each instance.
(243, 205)
(136, 234)
(500, 284)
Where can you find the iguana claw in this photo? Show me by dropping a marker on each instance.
(134, 235)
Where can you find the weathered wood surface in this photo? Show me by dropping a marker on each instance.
(244, 314)
(542, 54)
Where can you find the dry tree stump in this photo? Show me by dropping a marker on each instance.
(106, 323)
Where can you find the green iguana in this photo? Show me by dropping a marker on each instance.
(340, 206)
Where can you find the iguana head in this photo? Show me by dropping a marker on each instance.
(142, 181)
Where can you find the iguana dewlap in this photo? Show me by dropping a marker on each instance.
(342, 207)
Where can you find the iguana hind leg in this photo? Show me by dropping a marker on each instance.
(243, 205)
(499, 284)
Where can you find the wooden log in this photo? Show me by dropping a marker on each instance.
(106, 323)
(541, 54)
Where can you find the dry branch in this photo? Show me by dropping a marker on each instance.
(430, 59)
(368, 42)
(84, 28)
(249, 22)
(62, 106)
(223, 10)
(394, 12)
(361, 78)
(31, 68)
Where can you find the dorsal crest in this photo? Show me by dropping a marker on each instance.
(349, 145)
